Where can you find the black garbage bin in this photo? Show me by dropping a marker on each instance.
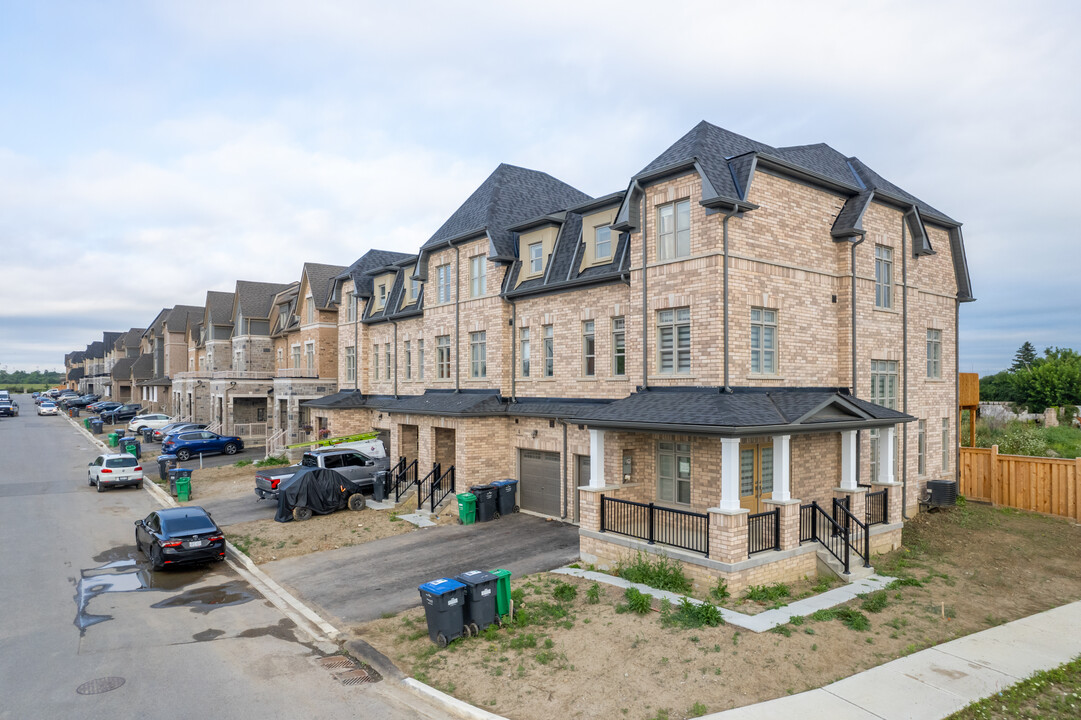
(176, 474)
(96, 427)
(132, 447)
(443, 602)
(505, 494)
(379, 485)
(75, 412)
(480, 596)
(486, 509)
(165, 464)
(148, 435)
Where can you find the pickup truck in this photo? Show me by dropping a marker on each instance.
(124, 412)
(350, 462)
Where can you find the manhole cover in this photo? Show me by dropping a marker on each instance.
(100, 685)
(354, 677)
(337, 662)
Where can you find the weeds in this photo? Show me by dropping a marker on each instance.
(851, 617)
(875, 602)
(637, 602)
(767, 593)
(272, 461)
(662, 573)
(689, 615)
(565, 592)
(720, 592)
(593, 594)
(243, 463)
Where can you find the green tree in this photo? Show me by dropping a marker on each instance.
(1024, 358)
(1051, 381)
(998, 387)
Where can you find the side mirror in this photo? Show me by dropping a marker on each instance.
(138, 523)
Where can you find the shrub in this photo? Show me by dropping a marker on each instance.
(637, 602)
(565, 592)
(662, 573)
(767, 593)
(272, 461)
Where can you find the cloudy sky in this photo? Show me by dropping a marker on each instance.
(151, 151)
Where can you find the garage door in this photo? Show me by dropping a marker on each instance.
(538, 487)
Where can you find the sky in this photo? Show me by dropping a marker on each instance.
(151, 151)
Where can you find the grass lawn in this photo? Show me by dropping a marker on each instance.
(1049, 695)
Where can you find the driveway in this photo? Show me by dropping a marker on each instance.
(359, 583)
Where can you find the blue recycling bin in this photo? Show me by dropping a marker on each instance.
(444, 601)
(505, 496)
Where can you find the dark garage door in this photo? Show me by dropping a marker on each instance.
(538, 488)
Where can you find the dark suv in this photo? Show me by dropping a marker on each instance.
(124, 412)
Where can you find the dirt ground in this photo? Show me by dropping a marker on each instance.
(976, 567)
(266, 540)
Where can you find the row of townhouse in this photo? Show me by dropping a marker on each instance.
(691, 364)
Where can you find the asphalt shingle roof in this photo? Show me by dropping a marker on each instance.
(444, 402)
(220, 307)
(509, 196)
(321, 280)
(143, 367)
(254, 298)
(178, 318)
(371, 260)
(122, 368)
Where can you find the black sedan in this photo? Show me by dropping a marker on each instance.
(179, 536)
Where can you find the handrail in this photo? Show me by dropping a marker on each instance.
(431, 480)
(447, 488)
(832, 535)
(405, 479)
(654, 523)
(861, 543)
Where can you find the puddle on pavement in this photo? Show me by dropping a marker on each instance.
(283, 631)
(205, 599)
(124, 569)
(209, 634)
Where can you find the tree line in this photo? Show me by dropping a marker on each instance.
(37, 377)
(1036, 382)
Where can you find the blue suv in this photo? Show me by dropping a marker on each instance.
(193, 442)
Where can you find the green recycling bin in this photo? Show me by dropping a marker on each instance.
(183, 489)
(467, 508)
(86, 423)
(502, 591)
(114, 439)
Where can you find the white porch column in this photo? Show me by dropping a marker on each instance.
(848, 460)
(596, 458)
(885, 454)
(729, 474)
(782, 486)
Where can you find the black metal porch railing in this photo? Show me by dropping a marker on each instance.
(426, 485)
(655, 524)
(764, 531)
(806, 522)
(405, 477)
(877, 503)
(443, 486)
(856, 533)
(818, 526)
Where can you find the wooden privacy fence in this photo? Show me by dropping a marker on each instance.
(1045, 485)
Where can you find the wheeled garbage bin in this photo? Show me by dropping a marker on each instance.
(96, 426)
(467, 508)
(132, 447)
(486, 509)
(505, 496)
(183, 488)
(166, 462)
(379, 485)
(113, 439)
(75, 412)
(502, 591)
(175, 474)
(480, 593)
(443, 602)
(148, 435)
(86, 423)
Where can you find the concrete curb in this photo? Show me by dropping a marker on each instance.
(452, 705)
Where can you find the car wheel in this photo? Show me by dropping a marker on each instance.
(302, 513)
(101, 488)
(356, 501)
(229, 449)
(156, 560)
(183, 455)
(139, 485)
(138, 545)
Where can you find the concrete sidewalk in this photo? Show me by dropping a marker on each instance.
(936, 682)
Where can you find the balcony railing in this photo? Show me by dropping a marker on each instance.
(242, 374)
(656, 524)
(250, 430)
(296, 373)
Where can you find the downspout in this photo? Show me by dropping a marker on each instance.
(957, 391)
(457, 317)
(395, 324)
(513, 350)
(859, 440)
(564, 470)
(645, 307)
(356, 339)
(904, 360)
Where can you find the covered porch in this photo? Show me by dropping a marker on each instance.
(745, 485)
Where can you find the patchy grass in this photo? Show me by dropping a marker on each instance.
(655, 571)
(1048, 695)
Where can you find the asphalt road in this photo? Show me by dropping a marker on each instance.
(87, 630)
(361, 582)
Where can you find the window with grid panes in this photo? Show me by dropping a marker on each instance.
(763, 341)
(351, 307)
(375, 362)
(296, 356)
(442, 357)
(536, 258)
(619, 347)
(549, 351)
(921, 447)
(934, 353)
(408, 349)
(674, 341)
(524, 343)
(420, 359)
(477, 276)
(674, 472)
(387, 355)
(884, 393)
(309, 355)
(883, 276)
(674, 230)
(589, 349)
(351, 363)
(602, 242)
(442, 284)
(478, 354)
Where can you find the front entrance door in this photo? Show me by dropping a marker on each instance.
(755, 474)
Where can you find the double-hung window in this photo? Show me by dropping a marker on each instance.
(407, 347)
(442, 284)
(351, 363)
(763, 341)
(536, 258)
(549, 351)
(934, 353)
(309, 355)
(351, 307)
(883, 276)
(309, 303)
(478, 354)
(525, 351)
(382, 295)
(619, 347)
(674, 472)
(375, 362)
(477, 276)
(295, 356)
(674, 341)
(589, 349)
(884, 393)
(602, 242)
(420, 359)
(674, 230)
(442, 357)
(921, 447)
(387, 347)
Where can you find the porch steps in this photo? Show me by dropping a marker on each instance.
(834, 566)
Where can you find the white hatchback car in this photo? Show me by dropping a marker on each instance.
(48, 408)
(114, 470)
(154, 421)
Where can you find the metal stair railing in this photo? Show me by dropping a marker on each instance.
(445, 485)
(405, 477)
(856, 535)
(426, 485)
(831, 534)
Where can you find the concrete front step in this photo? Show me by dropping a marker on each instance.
(828, 563)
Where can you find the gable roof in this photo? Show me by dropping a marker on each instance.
(320, 281)
(143, 367)
(130, 339)
(254, 299)
(156, 322)
(219, 307)
(109, 339)
(358, 271)
(122, 368)
(508, 196)
(178, 318)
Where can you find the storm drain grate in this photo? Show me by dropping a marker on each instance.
(337, 662)
(355, 677)
(348, 671)
(100, 685)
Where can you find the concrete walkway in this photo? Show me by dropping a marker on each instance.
(934, 683)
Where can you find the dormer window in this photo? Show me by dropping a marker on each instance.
(536, 258)
(602, 242)
(311, 309)
(382, 294)
(414, 289)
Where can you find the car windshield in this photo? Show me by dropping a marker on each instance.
(121, 462)
(48, 404)
(187, 526)
(309, 461)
